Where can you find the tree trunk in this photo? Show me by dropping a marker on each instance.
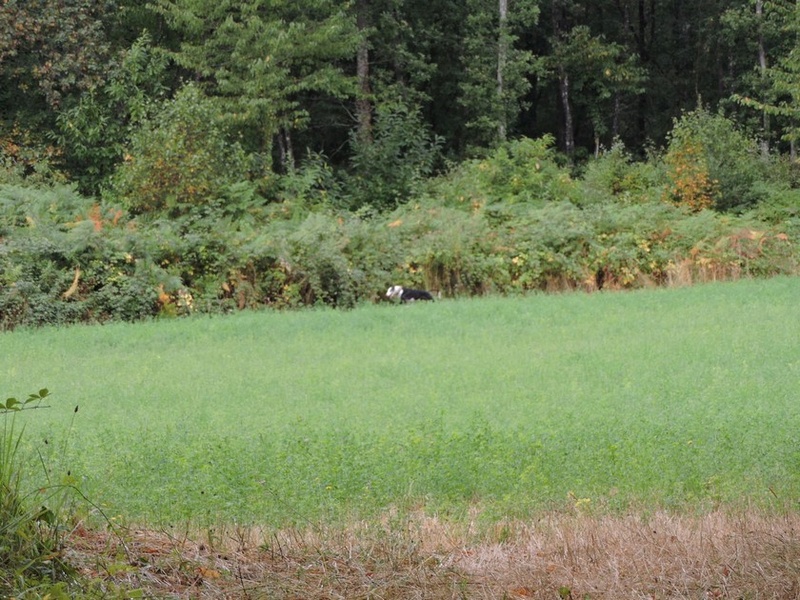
(615, 118)
(502, 55)
(363, 104)
(762, 65)
(559, 27)
(569, 132)
(646, 29)
(285, 150)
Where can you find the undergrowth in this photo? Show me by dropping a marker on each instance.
(512, 222)
(35, 520)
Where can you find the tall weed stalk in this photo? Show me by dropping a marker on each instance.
(29, 531)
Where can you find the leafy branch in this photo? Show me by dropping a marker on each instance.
(15, 405)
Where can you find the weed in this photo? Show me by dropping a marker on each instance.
(30, 535)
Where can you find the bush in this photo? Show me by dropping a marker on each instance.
(390, 168)
(180, 160)
(315, 263)
(615, 177)
(521, 172)
(712, 164)
(444, 249)
(550, 246)
(66, 259)
(512, 222)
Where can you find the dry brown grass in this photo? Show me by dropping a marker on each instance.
(716, 555)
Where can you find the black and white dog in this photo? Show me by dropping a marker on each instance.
(397, 291)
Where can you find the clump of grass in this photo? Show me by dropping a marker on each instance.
(31, 533)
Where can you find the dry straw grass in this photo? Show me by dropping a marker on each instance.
(573, 556)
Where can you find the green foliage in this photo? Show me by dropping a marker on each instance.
(288, 78)
(95, 132)
(319, 270)
(325, 258)
(723, 163)
(30, 535)
(496, 70)
(26, 159)
(510, 223)
(261, 58)
(50, 49)
(445, 249)
(780, 207)
(614, 176)
(180, 160)
(312, 186)
(391, 167)
(524, 171)
(598, 72)
(774, 89)
(68, 260)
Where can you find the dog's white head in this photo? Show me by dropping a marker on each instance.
(394, 291)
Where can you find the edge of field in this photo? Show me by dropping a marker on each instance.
(559, 554)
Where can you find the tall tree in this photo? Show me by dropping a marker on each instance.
(781, 95)
(762, 66)
(94, 133)
(496, 71)
(592, 75)
(363, 103)
(560, 30)
(49, 49)
(761, 33)
(263, 58)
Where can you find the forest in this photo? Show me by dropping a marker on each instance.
(173, 156)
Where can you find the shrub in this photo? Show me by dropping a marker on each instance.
(314, 257)
(550, 247)
(180, 160)
(390, 168)
(615, 177)
(513, 222)
(67, 259)
(523, 171)
(444, 249)
(374, 250)
(689, 175)
(632, 245)
(313, 186)
(712, 163)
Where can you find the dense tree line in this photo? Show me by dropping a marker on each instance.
(175, 156)
(359, 82)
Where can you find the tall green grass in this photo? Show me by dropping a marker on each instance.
(30, 530)
(682, 398)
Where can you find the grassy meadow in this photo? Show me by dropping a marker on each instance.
(671, 398)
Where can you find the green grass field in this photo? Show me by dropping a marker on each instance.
(682, 398)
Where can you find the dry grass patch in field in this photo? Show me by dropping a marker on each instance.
(716, 555)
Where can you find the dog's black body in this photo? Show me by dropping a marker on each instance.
(406, 295)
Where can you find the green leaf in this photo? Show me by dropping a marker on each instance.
(11, 404)
(46, 515)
